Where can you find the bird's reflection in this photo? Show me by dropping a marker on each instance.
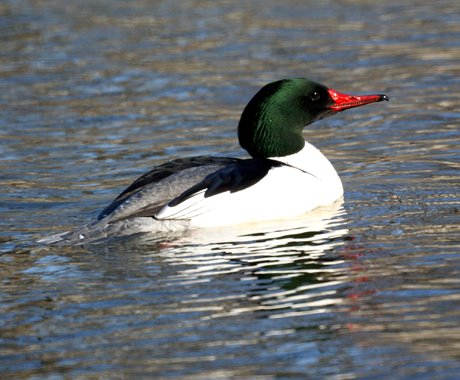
(287, 267)
(277, 241)
(279, 268)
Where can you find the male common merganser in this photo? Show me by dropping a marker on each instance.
(285, 177)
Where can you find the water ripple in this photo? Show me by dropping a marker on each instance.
(94, 93)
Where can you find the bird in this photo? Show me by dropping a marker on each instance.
(284, 177)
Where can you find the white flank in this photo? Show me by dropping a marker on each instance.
(309, 182)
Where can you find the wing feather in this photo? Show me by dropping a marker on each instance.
(234, 177)
(167, 174)
(147, 194)
(179, 189)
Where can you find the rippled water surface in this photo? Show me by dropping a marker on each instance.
(94, 93)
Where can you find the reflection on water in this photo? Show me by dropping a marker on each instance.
(290, 258)
(94, 93)
(184, 296)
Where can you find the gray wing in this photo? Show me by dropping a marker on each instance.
(147, 194)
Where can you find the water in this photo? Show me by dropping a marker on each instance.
(95, 93)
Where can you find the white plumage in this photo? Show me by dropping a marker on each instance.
(306, 182)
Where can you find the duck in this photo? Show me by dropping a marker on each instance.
(284, 177)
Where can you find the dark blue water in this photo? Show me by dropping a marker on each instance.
(95, 93)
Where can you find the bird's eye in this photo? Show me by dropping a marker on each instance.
(314, 95)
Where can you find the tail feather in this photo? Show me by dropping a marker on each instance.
(53, 239)
(100, 230)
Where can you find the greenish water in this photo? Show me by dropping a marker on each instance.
(95, 93)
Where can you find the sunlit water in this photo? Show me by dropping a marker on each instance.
(94, 93)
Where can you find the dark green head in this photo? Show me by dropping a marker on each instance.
(271, 124)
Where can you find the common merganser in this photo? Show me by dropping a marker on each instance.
(285, 177)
